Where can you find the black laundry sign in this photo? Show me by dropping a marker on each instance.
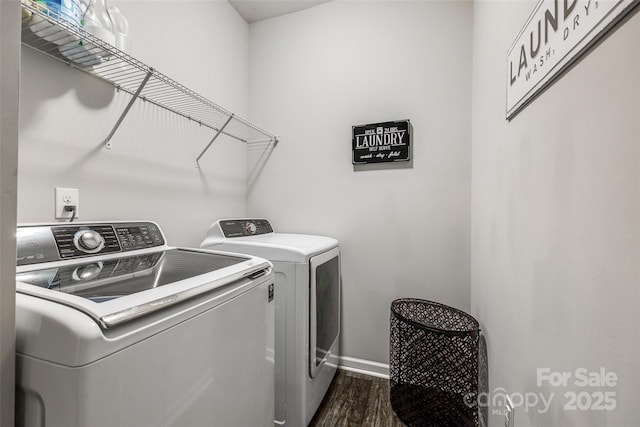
(381, 142)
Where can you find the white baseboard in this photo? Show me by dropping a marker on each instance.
(362, 366)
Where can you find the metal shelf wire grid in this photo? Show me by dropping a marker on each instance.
(54, 36)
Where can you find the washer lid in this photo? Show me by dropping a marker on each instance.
(274, 246)
(116, 289)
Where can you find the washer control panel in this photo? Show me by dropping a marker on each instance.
(139, 236)
(73, 241)
(38, 244)
(244, 227)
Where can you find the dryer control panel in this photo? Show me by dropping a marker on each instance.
(244, 227)
(46, 243)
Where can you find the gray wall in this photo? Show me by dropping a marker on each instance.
(9, 78)
(555, 244)
(404, 231)
(150, 173)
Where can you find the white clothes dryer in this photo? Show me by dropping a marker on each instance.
(307, 309)
(115, 328)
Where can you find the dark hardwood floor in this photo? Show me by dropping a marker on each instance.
(355, 400)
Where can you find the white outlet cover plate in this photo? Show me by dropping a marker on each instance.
(66, 197)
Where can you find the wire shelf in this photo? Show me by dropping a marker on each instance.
(51, 34)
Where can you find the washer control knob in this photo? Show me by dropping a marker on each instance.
(88, 241)
(250, 228)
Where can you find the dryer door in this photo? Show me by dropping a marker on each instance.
(324, 307)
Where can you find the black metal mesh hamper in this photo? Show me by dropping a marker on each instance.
(433, 364)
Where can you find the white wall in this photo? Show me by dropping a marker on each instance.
(150, 173)
(555, 208)
(404, 231)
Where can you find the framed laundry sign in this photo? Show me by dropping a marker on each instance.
(556, 34)
(381, 142)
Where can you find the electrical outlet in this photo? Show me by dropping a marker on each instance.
(67, 197)
(509, 412)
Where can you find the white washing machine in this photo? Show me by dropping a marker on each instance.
(115, 328)
(307, 310)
